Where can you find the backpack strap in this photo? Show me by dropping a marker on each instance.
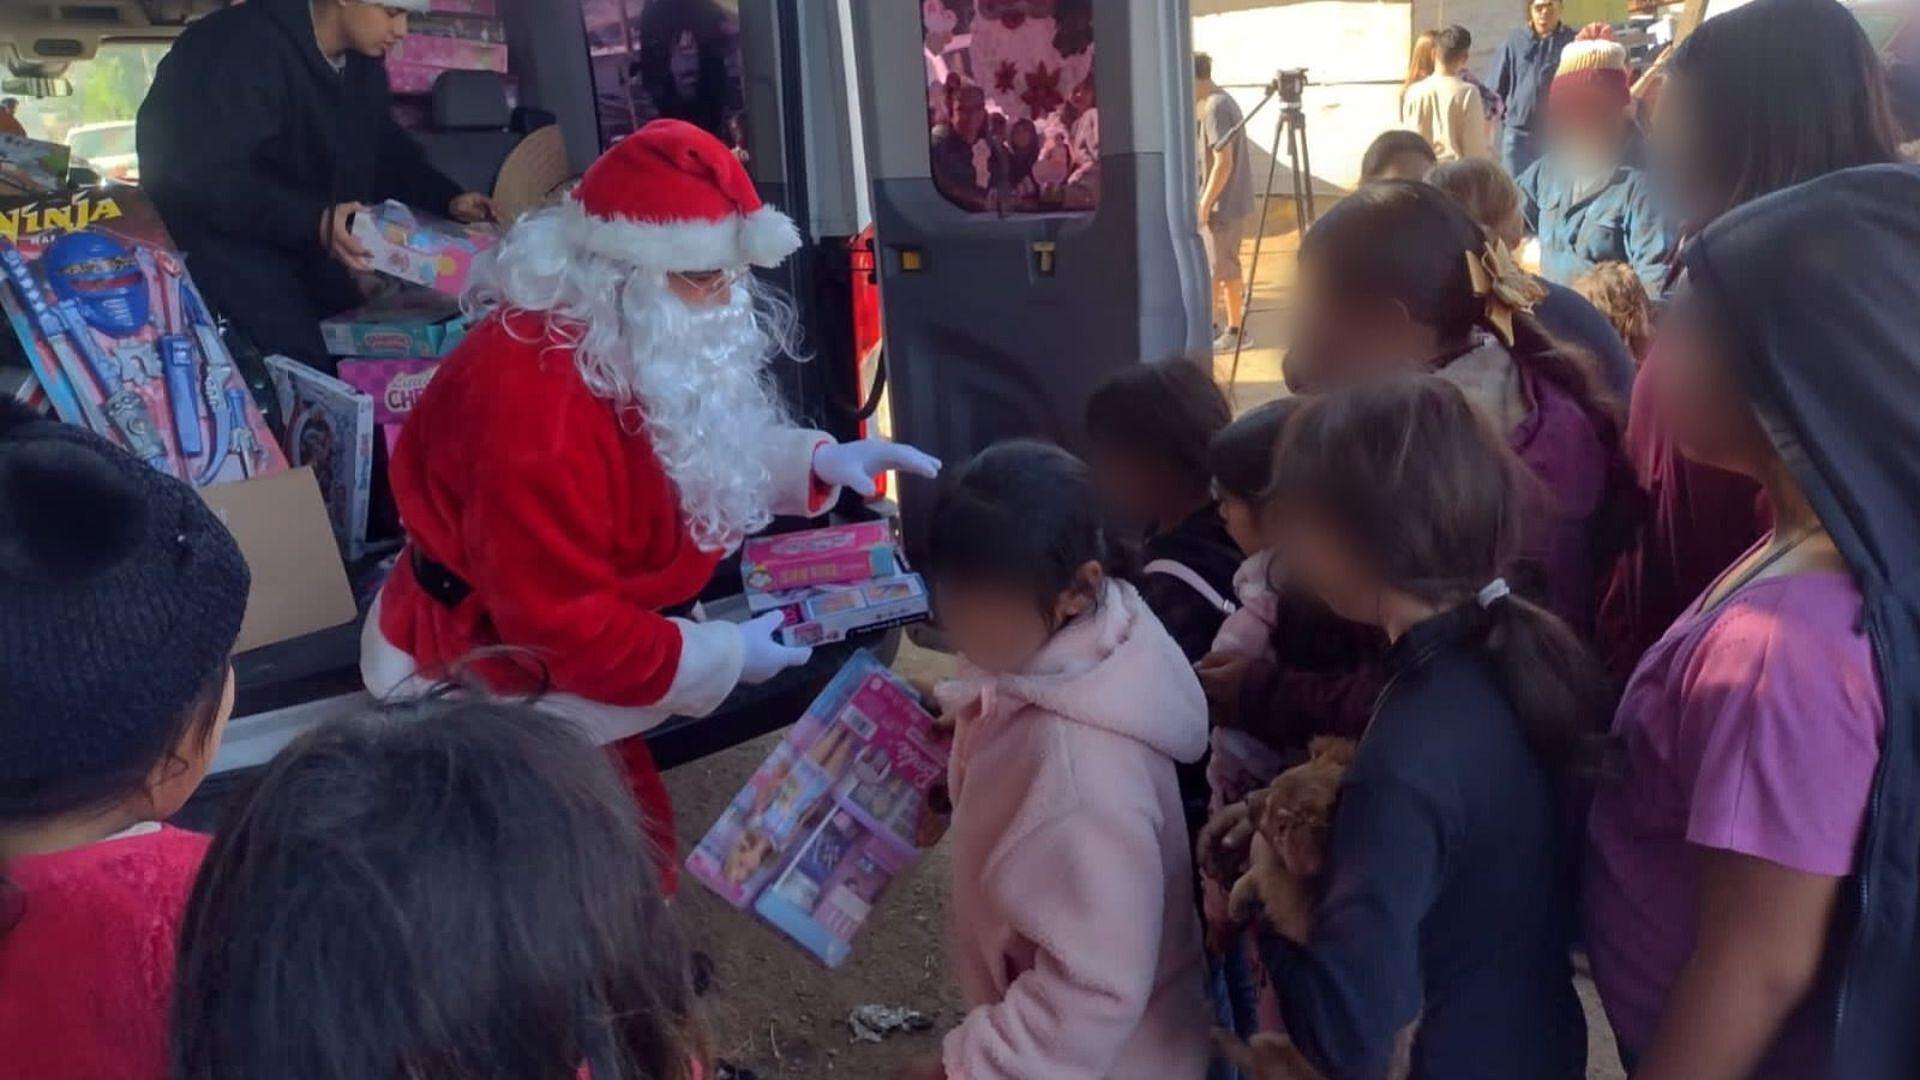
(1187, 575)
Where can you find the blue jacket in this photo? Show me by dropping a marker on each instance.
(1622, 224)
(1523, 70)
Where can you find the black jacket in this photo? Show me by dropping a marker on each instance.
(1818, 290)
(246, 138)
(1448, 891)
(1201, 544)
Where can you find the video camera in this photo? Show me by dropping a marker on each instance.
(1292, 85)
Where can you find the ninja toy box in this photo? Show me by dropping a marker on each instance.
(121, 340)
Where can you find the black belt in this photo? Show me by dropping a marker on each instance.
(452, 590)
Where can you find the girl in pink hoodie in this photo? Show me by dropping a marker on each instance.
(1075, 938)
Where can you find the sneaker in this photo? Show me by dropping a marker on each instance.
(1231, 339)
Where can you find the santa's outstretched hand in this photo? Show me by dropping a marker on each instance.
(854, 465)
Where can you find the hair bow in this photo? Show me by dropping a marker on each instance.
(1504, 286)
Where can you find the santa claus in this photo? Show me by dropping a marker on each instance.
(595, 447)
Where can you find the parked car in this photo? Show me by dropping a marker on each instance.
(108, 149)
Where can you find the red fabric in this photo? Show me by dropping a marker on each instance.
(10, 125)
(635, 759)
(514, 476)
(86, 974)
(1700, 520)
(668, 171)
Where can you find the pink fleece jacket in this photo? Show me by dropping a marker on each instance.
(1075, 938)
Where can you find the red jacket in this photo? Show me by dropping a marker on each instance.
(518, 479)
(86, 974)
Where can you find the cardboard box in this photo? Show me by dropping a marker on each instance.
(299, 584)
(413, 324)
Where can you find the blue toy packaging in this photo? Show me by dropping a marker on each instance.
(121, 340)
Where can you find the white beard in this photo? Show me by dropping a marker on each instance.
(696, 381)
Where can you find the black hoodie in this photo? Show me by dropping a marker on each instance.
(246, 139)
(1820, 287)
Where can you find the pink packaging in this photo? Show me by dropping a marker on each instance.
(836, 555)
(394, 385)
(423, 249)
(449, 54)
(463, 7)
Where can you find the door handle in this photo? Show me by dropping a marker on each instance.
(1044, 252)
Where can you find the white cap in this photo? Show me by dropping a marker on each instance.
(417, 7)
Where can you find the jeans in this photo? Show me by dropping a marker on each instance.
(1519, 149)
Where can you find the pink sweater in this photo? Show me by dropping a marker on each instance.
(1075, 939)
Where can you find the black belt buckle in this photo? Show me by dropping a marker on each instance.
(437, 581)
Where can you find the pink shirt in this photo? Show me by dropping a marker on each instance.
(1753, 728)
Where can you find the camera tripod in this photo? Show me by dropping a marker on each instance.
(1289, 87)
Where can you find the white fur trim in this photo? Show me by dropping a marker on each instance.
(764, 238)
(788, 456)
(711, 656)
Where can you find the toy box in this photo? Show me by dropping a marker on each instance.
(833, 815)
(487, 8)
(423, 249)
(32, 167)
(841, 554)
(409, 324)
(394, 387)
(329, 430)
(461, 27)
(121, 340)
(826, 614)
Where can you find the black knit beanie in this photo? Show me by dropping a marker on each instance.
(121, 595)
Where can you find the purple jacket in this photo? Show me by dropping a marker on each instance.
(1562, 449)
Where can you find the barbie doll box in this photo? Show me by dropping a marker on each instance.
(835, 813)
(837, 555)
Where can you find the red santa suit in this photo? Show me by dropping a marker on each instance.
(541, 521)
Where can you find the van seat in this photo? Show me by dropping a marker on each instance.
(474, 129)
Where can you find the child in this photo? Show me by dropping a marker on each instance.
(1397, 155)
(1622, 297)
(122, 597)
(1076, 943)
(1747, 913)
(1446, 895)
(1397, 278)
(1149, 427)
(449, 890)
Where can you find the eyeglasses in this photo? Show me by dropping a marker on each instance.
(708, 282)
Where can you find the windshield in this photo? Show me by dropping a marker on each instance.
(106, 90)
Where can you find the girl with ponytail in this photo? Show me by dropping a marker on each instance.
(1447, 891)
(1399, 279)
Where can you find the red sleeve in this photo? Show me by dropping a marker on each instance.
(539, 542)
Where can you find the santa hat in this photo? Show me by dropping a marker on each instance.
(1592, 72)
(672, 198)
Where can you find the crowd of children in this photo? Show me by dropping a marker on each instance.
(1638, 674)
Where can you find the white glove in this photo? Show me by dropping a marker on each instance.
(763, 657)
(854, 465)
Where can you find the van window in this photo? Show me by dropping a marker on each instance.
(98, 120)
(673, 59)
(1012, 110)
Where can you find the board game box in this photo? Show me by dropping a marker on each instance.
(833, 815)
(121, 340)
(329, 430)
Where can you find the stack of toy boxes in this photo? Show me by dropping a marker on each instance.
(835, 582)
(458, 35)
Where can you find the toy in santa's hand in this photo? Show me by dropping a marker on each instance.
(585, 458)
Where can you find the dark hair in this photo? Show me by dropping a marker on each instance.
(1408, 242)
(1166, 411)
(1021, 515)
(1787, 90)
(1202, 66)
(1410, 474)
(1390, 145)
(1454, 42)
(1241, 457)
(443, 891)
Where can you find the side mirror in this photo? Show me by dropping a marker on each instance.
(36, 86)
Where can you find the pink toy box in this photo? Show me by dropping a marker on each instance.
(842, 554)
(837, 812)
(395, 387)
(826, 614)
(423, 249)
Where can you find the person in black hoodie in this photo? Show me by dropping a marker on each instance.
(269, 126)
(1751, 891)
(1447, 891)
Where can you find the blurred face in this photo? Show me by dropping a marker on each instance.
(1133, 486)
(1544, 16)
(970, 114)
(1344, 341)
(372, 29)
(1700, 402)
(704, 289)
(1327, 565)
(1590, 138)
(999, 629)
(1242, 519)
(1083, 95)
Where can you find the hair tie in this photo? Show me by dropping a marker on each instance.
(1506, 288)
(1494, 592)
